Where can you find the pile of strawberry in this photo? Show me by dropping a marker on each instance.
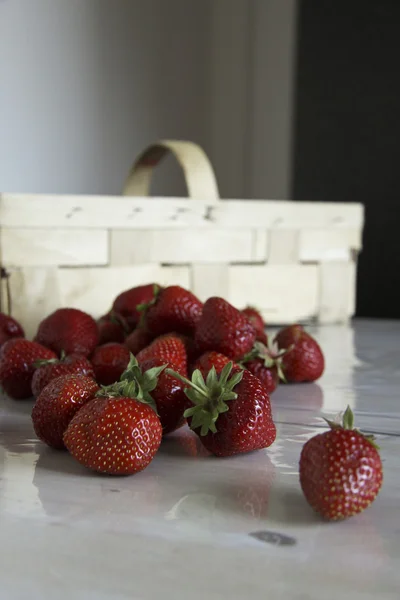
(108, 391)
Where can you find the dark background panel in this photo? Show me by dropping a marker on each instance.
(347, 130)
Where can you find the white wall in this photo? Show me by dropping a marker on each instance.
(271, 126)
(253, 83)
(85, 84)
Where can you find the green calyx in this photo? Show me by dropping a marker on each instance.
(42, 362)
(270, 355)
(117, 319)
(347, 423)
(144, 307)
(210, 397)
(134, 383)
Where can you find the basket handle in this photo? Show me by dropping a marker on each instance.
(197, 169)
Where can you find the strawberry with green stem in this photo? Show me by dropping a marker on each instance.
(230, 412)
(172, 309)
(47, 370)
(128, 304)
(168, 350)
(166, 393)
(119, 431)
(340, 470)
(112, 328)
(265, 362)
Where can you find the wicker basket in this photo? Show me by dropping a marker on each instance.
(296, 261)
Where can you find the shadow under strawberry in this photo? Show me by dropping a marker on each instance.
(184, 443)
(57, 474)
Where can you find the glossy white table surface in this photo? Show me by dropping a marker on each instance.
(194, 527)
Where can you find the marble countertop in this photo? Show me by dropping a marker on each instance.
(192, 526)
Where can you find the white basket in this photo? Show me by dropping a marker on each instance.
(296, 261)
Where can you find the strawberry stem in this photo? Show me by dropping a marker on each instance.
(270, 355)
(135, 384)
(348, 424)
(42, 362)
(187, 381)
(144, 307)
(118, 319)
(210, 397)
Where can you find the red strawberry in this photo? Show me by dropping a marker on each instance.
(17, 366)
(192, 351)
(112, 328)
(262, 337)
(340, 470)
(9, 328)
(265, 363)
(47, 370)
(109, 362)
(173, 309)
(303, 360)
(127, 303)
(230, 413)
(169, 395)
(255, 318)
(224, 329)
(211, 359)
(68, 330)
(138, 339)
(118, 434)
(168, 348)
(57, 404)
(267, 375)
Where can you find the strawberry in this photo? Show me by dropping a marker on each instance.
(57, 404)
(340, 470)
(265, 363)
(109, 362)
(138, 339)
(9, 328)
(17, 366)
(169, 394)
(303, 360)
(112, 328)
(211, 359)
(192, 351)
(68, 330)
(224, 329)
(262, 337)
(118, 432)
(127, 303)
(231, 413)
(255, 318)
(267, 375)
(168, 348)
(172, 309)
(47, 370)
